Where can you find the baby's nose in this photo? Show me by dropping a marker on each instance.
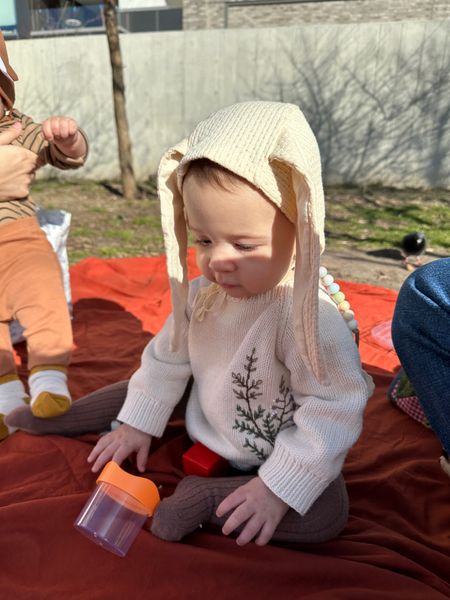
(222, 259)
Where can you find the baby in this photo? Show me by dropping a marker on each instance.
(278, 389)
(30, 276)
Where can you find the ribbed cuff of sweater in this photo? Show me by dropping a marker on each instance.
(69, 162)
(285, 475)
(145, 414)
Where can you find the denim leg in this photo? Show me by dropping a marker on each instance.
(421, 336)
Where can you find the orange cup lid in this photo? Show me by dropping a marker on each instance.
(140, 488)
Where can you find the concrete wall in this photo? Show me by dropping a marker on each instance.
(215, 14)
(377, 95)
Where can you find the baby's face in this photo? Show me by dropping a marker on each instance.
(244, 242)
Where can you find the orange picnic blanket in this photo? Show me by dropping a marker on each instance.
(396, 543)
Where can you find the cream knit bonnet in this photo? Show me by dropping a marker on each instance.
(271, 145)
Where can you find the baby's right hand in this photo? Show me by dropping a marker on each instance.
(118, 445)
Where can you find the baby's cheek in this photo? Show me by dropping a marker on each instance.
(202, 262)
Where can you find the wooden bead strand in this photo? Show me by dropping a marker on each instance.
(334, 291)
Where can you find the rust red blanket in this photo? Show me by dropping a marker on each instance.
(396, 544)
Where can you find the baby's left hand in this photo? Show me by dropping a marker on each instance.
(255, 504)
(60, 130)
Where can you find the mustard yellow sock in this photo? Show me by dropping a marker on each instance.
(47, 405)
(50, 395)
(4, 430)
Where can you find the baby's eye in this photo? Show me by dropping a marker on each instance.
(202, 242)
(244, 247)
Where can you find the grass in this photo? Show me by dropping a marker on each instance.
(373, 218)
(106, 225)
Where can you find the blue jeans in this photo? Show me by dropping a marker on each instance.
(421, 336)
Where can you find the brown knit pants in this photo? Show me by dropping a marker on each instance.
(196, 499)
(32, 291)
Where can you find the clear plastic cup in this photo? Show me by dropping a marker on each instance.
(117, 509)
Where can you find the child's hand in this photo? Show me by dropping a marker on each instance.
(256, 505)
(60, 129)
(63, 132)
(118, 445)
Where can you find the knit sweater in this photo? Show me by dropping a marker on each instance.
(32, 139)
(253, 399)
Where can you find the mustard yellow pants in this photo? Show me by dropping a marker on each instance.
(31, 290)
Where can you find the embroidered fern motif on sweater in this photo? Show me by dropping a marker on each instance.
(259, 423)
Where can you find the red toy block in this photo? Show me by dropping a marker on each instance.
(200, 460)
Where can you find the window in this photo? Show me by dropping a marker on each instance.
(54, 15)
(8, 21)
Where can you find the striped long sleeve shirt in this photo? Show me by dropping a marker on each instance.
(32, 139)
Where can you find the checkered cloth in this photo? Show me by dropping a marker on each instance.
(402, 394)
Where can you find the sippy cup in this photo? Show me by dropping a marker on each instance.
(117, 509)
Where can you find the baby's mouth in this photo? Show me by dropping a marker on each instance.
(225, 285)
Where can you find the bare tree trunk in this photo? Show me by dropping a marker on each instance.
(123, 136)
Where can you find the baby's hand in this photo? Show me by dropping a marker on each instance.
(61, 130)
(256, 505)
(118, 445)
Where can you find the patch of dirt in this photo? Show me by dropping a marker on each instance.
(361, 266)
